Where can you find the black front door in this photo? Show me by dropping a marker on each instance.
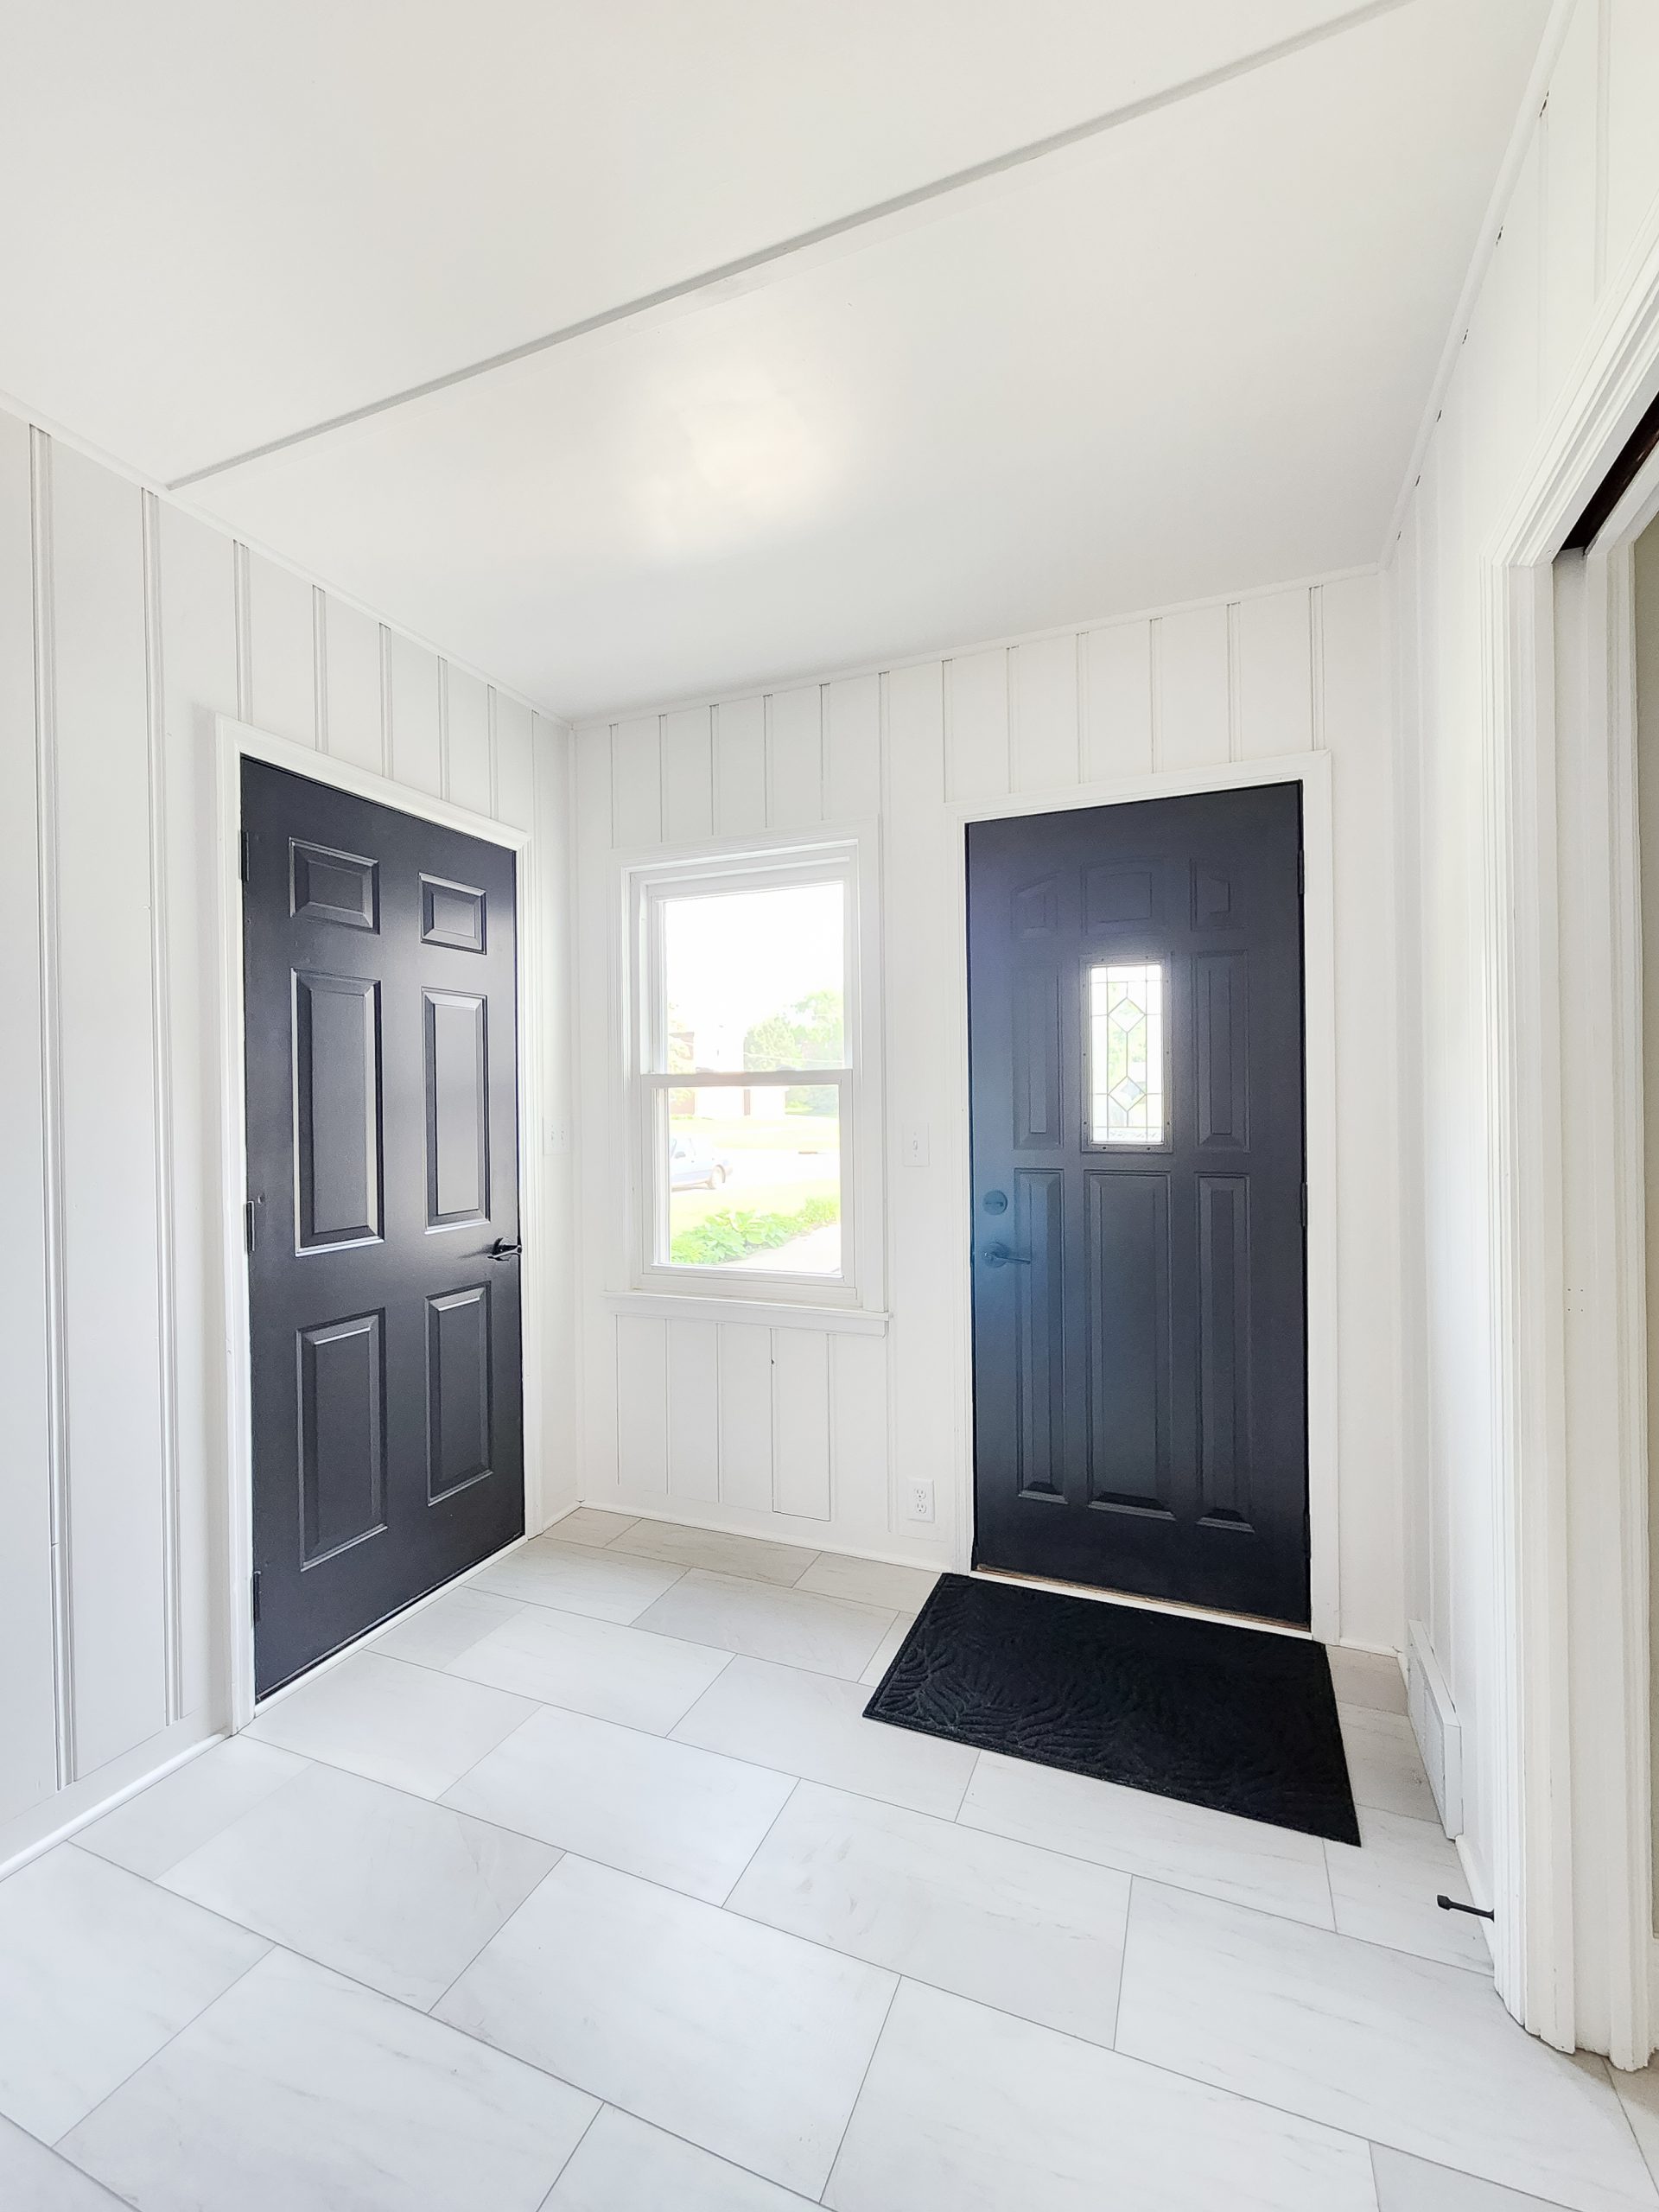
(1139, 1269)
(380, 953)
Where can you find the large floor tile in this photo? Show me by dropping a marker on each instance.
(869, 1581)
(1639, 2094)
(98, 1969)
(751, 1557)
(813, 1725)
(623, 2165)
(887, 1650)
(434, 1635)
(408, 1726)
(591, 1524)
(300, 2092)
(176, 1816)
(1017, 1927)
(1367, 1678)
(34, 2179)
(1408, 2184)
(966, 2110)
(1385, 1768)
(1385, 1891)
(1416, 2054)
(827, 1635)
(741, 2039)
(615, 1673)
(393, 1890)
(590, 1578)
(1277, 1869)
(666, 1811)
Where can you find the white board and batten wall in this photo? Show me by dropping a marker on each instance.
(126, 625)
(811, 1430)
(1581, 188)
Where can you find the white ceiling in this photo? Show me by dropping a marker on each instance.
(1188, 354)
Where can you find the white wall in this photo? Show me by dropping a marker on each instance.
(126, 627)
(1646, 614)
(1585, 183)
(1265, 675)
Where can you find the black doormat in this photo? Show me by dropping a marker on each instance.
(1237, 1718)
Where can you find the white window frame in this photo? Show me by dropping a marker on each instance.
(759, 867)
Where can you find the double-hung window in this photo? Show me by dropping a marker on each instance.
(746, 1074)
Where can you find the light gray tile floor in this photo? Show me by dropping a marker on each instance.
(587, 1887)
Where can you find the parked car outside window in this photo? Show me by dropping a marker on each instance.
(691, 1167)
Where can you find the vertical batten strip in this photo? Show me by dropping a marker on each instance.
(320, 662)
(1155, 684)
(1010, 716)
(831, 1478)
(45, 832)
(243, 618)
(161, 1032)
(1235, 721)
(947, 724)
(1080, 646)
(887, 1136)
(443, 728)
(823, 752)
(1316, 664)
(494, 752)
(1604, 101)
(1540, 284)
(386, 700)
(720, 1378)
(1544, 257)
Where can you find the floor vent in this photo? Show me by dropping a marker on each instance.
(1434, 1723)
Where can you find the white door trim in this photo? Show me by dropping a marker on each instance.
(1313, 772)
(1572, 1871)
(235, 742)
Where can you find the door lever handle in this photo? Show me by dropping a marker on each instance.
(502, 1250)
(998, 1255)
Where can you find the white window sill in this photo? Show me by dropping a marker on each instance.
(769, 1313)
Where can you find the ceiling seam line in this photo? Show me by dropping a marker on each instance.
(838, 226)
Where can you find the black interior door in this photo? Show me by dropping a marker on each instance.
(380, 953)
(1139, 1269)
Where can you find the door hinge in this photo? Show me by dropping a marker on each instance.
(1301, 875)
(1303, 1205)
(253, 1593)
(246, 861)
(249, 1226)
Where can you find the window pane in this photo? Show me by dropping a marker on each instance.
(753, 1179)
(754, 979)
(1126, 1053)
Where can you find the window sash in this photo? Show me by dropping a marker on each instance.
(731, 882)
(649, 1203)
(657, 1186)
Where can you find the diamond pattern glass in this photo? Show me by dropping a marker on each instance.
(1126, 1104)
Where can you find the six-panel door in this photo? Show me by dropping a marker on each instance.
(1140, 1361)
(379, 955)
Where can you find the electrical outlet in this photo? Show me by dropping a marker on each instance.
(921, 1501)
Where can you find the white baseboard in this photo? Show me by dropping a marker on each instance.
(725, 1525)
(58, 1818)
